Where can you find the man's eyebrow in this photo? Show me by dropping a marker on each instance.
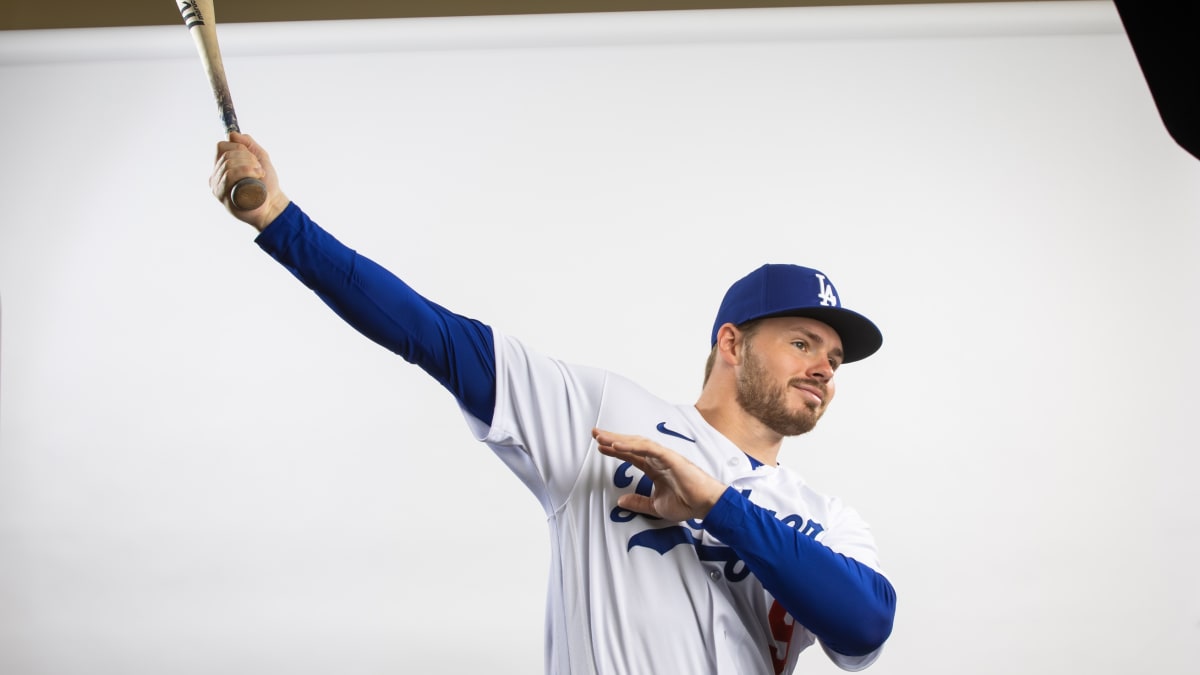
(836, 352)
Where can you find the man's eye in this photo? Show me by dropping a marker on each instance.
(801, 344)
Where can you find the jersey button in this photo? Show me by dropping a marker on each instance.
(715, 575)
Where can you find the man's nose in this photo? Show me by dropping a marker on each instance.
(820, 369)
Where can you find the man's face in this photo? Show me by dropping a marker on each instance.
(786, 376)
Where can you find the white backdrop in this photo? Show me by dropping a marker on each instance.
(202, 470)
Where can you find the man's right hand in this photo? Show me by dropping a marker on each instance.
(240, 157)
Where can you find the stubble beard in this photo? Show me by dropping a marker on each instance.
(768, 403)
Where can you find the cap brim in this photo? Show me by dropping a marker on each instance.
(860, 336)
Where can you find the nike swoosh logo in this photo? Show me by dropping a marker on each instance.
(662, 429)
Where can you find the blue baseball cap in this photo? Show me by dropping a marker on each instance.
(792, 290)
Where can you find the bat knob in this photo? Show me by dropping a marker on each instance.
(248, 194)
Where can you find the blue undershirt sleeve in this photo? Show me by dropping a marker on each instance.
(846, 604)
(456, 351)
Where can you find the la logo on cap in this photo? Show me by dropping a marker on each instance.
(826, 295)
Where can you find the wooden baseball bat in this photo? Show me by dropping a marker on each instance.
(198, 15)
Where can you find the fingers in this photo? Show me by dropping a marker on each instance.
(242, 139)
(234, 162)
(626, 447)
(247, 141)
(638, 504)
(648, 456)
(656, 461)
(682, 490)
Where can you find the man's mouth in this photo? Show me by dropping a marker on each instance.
(814, 393)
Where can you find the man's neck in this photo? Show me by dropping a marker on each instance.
(743, 430)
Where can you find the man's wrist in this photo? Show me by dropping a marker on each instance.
(275, 208)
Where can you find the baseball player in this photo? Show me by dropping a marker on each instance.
(679, 544)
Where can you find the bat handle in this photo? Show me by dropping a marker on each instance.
(248, 194)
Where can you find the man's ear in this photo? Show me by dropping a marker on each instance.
(730, 341)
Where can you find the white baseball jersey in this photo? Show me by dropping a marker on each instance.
(632, 595)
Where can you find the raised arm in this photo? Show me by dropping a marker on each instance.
(455, 350)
